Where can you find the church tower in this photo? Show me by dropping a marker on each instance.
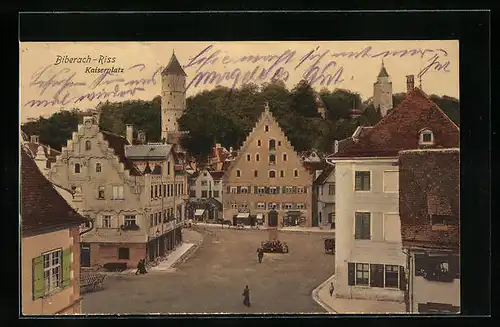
(382, 92)
(173, 97)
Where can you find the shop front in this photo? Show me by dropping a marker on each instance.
(294, 218)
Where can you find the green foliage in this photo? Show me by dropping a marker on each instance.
(339, 102)
(226, 116)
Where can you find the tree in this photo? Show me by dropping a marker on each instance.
(303, 100)
(339, 102)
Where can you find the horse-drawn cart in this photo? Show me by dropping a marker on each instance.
(330, 245)
(274, 246)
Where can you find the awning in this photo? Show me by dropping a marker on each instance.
(199, 212)
(259, 216)
(243, 215)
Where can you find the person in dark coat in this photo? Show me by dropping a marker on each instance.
(139, 267)
(260, 254)
(331, 289)
(143, 267)
(246, 296)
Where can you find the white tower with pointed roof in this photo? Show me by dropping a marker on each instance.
(382, 91)
(173, 96)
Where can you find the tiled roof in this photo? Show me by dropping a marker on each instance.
(383, 72)
(226, 165)
(174, 67)
(41, 205)
(33, 147)
(148, 151)
(314, 166)
(217, 175)
(324, 175)
(429, 185)
(118, 143)
(400, 129)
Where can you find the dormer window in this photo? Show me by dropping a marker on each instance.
(440, 222)
(426, 137)
(87, 145)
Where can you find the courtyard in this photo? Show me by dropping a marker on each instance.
(213, 278)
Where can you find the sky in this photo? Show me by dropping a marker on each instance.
(63, 75)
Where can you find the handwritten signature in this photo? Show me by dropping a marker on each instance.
(321, 66)
(62, 81)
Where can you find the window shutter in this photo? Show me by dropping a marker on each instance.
(249, 189)
(377, 275)
(267, 190)
(351, 274)
(358, 181)
(120, 192)
(255, 189)
(38, 279)
(366, 226)
(228, 189)
(238, 189)
(278, 190)
(402, 278)
(66, 267)
(283, 189)
(358, 226)
(115, 192)
(366, 182)
(305, 189)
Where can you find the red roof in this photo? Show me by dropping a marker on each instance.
(117, 143)
(217, 175)
(42, 207)
(51, 155)
(429, 184)
(400, 129)
(313, 166)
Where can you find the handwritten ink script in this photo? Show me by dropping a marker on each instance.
(319, 66)
(56, 85)
(62, 82)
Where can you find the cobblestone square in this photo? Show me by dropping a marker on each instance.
(213, 278)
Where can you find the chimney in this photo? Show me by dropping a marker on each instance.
(410, 83)
(129, 133)
(34, 138)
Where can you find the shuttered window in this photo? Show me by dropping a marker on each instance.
(51, 272)
(362, 226)
(392, 228)
(391, 181)
(362, 181)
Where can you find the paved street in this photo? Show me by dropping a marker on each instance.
(213, 278)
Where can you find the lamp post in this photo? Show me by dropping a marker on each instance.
(157, 242)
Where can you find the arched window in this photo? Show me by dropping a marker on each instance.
(284, 157)
(98, 167)
(87, 145)
(258, 143)
(272, 145)
(77, 168)
(257, 157)
(426, 137)
(296, 173)
(272, 159)
(272, 174)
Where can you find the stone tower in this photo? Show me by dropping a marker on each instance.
(173, 97)
(382, 92)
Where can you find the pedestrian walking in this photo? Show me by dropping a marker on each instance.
(139, 267)
(331, 289)
(260, 254)
(246, 296)
(143, 267)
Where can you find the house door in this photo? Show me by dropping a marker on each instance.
(315, 220)
(272, 218)
(85, 254)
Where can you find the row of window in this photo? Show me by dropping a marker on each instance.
(117, 192)
(389, 226)
(376, 275)
(107, 221)
(166, 190)
(331, 189)
(272, 157)
(362, 181)
(205, 183)
(205, 194)
(157, 218)
(78, 168)
(271, 173)
(267, 189)
(268, 206)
